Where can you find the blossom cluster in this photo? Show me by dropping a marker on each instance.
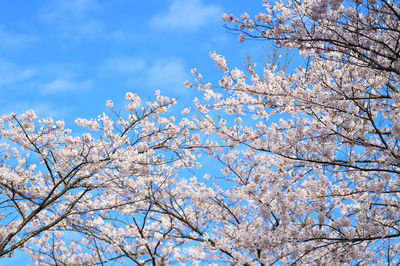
(266, 167)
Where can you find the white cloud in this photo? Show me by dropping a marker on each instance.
(186, 15)
(56, 9)
(164, 73)
(121, 35)
(81, 19)
(72, 18)
(41, 109)
(47, 79)
(13, 40)
(11, 74)
(62, 85)
(167, 72)
(121, 65)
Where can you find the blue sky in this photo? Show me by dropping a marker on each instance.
(66, 58)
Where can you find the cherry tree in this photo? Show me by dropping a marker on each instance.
(94, 197)
(117, 190)
(317, 148)
(309, 159)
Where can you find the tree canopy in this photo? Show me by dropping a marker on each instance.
(301, 166)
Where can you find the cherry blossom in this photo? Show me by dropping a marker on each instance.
(270, 164)
(315, 149)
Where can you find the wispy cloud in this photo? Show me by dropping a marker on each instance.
(11, 74)
(72, 18)
(163, 73)
(60, 78)
(62, 85)
(14, 40)
(41, 109)
(121, 66)
(75, 8)
(44, 79)
(121, 35)
(186, 15)
(167, 72)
